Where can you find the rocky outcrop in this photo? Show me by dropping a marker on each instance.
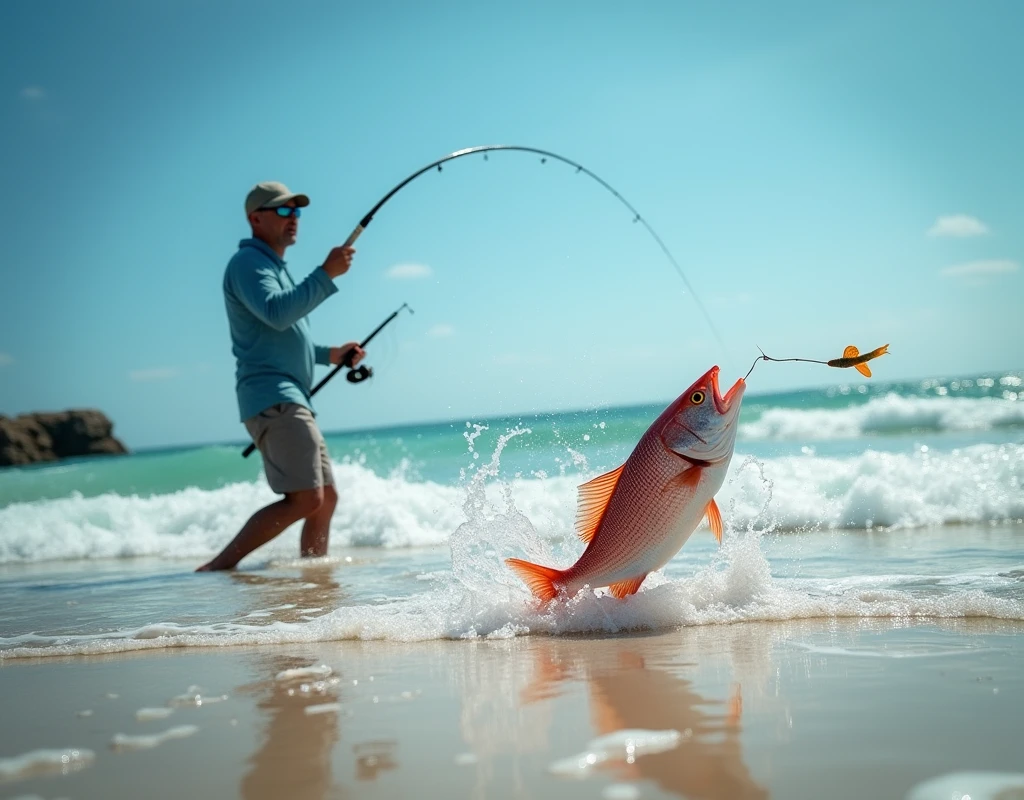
(31, 438)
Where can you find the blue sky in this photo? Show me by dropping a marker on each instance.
(826, 174)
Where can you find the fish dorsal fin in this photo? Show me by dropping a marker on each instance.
(625, 588)
(863, 369)
(851, 352)
(714, 519)
(593, 502)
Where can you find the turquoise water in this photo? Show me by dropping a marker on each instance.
(867, 499)
(838, 420)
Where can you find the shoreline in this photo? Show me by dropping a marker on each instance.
(805, 708)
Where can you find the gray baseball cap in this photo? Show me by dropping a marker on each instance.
(271, 194)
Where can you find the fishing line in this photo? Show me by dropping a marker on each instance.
(545, 155)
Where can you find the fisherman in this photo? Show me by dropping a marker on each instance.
(275, 358)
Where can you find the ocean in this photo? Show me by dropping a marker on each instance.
(862, 500)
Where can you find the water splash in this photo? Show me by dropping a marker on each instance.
(494, 527)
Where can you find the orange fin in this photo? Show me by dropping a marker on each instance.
(735, 705)
(687, 479)
(863, 369)
(714, 519)
(593, 502)
(624, 588)
(851, 352)
(539, 579)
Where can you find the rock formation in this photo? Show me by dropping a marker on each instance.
(30, 438)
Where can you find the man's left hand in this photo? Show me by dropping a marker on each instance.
(339, 354)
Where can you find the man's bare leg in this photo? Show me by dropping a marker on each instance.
(265, 524)
(317, 529)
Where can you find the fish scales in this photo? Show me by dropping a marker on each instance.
(662, 492)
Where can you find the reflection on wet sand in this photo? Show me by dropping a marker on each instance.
(293, 759)
(290, 598)
(629, 689)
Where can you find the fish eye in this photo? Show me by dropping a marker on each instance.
(697, 398)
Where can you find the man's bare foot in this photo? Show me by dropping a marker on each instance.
(211, 566)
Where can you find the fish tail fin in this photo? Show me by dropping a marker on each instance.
(541, 580)
(863, 369)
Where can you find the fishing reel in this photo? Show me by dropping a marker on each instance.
(359, 374)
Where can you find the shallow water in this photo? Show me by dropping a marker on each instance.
(871, 500)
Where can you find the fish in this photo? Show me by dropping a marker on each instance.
(852, 358)
(638, 516)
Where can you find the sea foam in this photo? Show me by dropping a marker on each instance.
(889, 414)
(480, 599)
(981, 483)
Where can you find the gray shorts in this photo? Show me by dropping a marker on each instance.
(294, 452)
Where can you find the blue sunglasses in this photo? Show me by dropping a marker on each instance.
(285, 211)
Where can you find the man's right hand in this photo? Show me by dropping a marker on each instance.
(338, 261)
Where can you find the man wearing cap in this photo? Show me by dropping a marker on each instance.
(275, 358)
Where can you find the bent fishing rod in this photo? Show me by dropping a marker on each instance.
(545, 155)
(355, 374)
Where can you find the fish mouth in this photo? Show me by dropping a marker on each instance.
(723, 404)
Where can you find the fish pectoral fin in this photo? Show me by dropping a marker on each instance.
(687, 479)
(851, 352)
(863, 369)
(625, 588)
(539, 579)
(714, 518)
(592, 502)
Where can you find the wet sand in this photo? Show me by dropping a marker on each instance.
(806, 709)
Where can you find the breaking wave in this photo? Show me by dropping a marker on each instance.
(977, 484)
(887, 415)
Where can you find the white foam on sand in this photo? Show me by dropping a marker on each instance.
(45, 762)
(323, 708)
(625, 745)
(321, 671)
(481, 598)
(148, 714)
(192, 697)
(124, 742)
(971, 786)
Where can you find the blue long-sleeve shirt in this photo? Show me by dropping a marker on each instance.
(270, 335)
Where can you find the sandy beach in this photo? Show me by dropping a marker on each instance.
(799, 709)
(857, 634)
(671, 440)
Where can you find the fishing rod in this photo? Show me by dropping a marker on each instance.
(545, 155)
(355, 374)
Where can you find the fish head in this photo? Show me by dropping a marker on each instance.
(701, 424)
